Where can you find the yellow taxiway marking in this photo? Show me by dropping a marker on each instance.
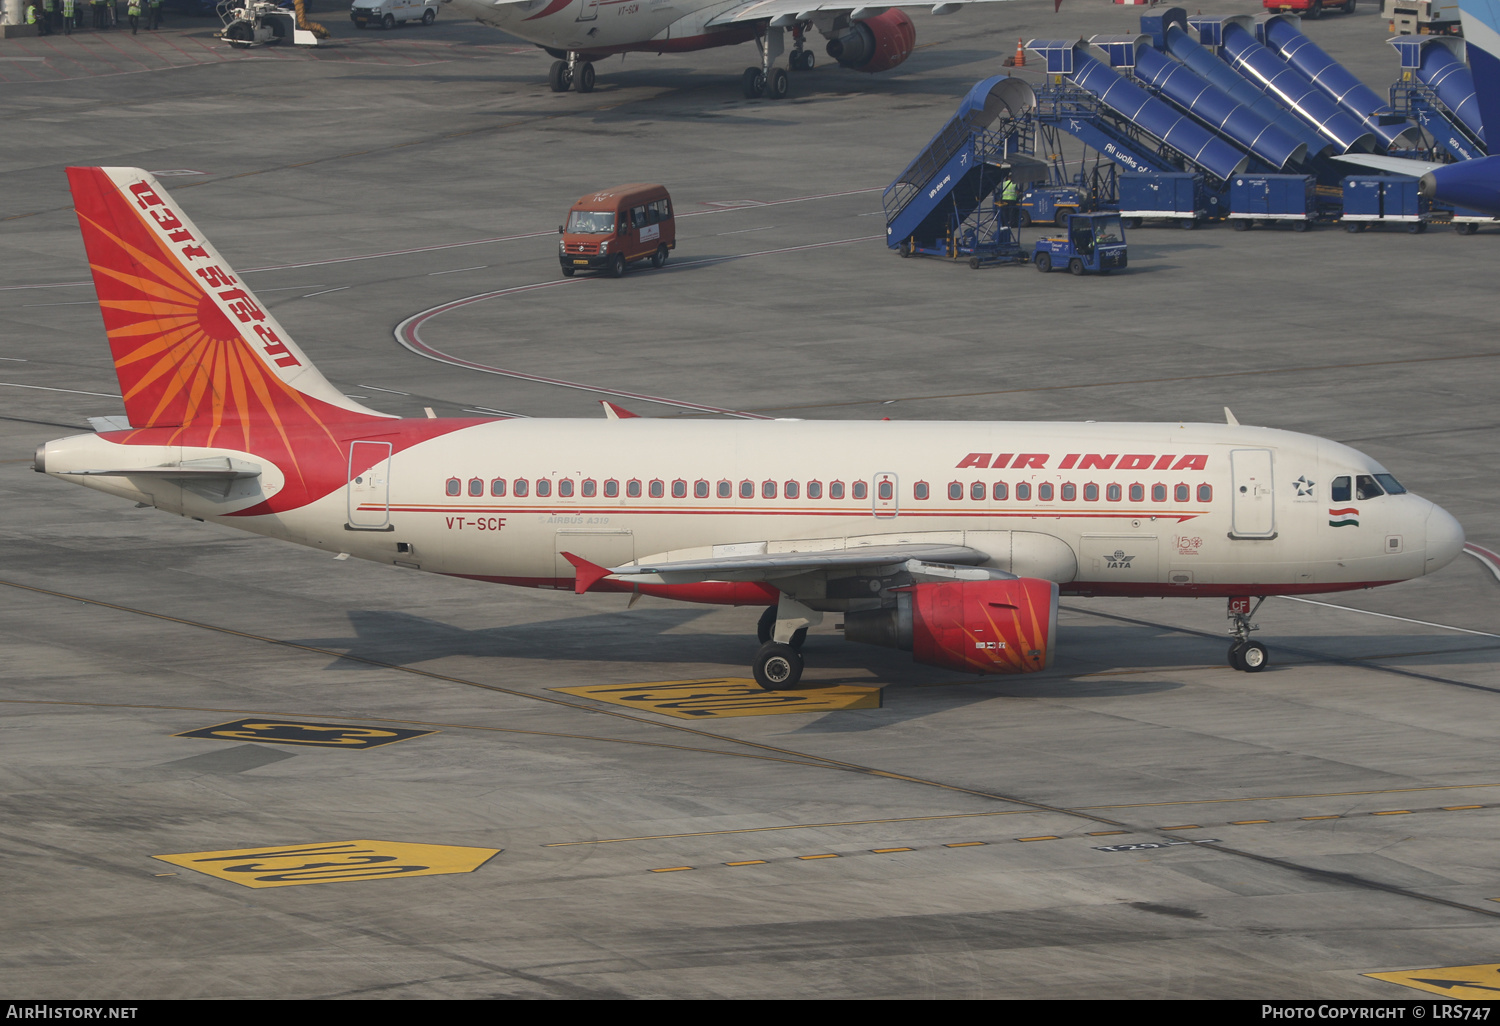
(1458, 808)
(672, 869)
(1106, 833)
(825, 855)
(1184, 826)
(718, 697)
(1393, 812)
(1247, 822)
(965, 844)
(1320, 817)
(270, 730)
(748, 862)
(331, 862)
(1474, 982)
(1042, 837)
(887, 851)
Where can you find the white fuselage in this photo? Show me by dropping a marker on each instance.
(606, 25)
(1150, 509)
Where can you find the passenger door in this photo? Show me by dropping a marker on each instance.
(588, 10)
(369, 487)
(1253, 499)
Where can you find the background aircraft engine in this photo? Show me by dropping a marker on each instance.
(973, 626)
(875, 44)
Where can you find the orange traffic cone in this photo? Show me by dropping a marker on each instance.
(1020, 55)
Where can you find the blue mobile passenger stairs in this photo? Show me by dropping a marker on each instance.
(944, 204)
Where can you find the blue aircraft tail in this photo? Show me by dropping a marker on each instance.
(1481, 20)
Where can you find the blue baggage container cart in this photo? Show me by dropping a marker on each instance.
(1378, 199)
(1272, 198)
(1467, 222)
(1178, 197)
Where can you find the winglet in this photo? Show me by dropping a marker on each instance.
(614, 412)
(586, 574)
(1230, 418)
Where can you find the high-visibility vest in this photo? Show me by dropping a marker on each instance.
(31, 15)
(1011, 192)
(134, 10)
(67, 8)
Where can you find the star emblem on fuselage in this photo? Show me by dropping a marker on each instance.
(1303, 485)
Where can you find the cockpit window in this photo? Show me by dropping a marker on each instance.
(1392, 486)
(1340, 489)
(1366, 488)
(591, 222)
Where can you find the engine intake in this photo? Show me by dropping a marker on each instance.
(875, 44)
(972, 626)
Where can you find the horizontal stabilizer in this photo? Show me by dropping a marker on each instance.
(221, 468)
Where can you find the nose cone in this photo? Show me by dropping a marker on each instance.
(1445, 539)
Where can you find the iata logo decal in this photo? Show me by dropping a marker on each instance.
(1118, 561)
(1344, 516)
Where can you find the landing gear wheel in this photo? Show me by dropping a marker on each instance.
(568, 270)
(558, 78)
(753, 81)
(388, 23)
(584, 83)
(1254, 657)
(777, 667)
(430, 16)
(1023, 218)
(1043, 262)
(616, 266)
(1236, 656)
(766, 625)
(778, 84)
(1075, 267)
(803, 60)
(659, 257)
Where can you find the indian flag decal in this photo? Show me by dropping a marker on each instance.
(1345, 516)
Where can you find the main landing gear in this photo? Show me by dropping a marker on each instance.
(571, 74)
(772, 82)
(782, 630)
(1244, 654)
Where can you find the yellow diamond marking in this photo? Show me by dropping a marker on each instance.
(1474, 982)
(289, 865)
(717, 697)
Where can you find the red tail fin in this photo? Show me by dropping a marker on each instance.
(192, 345)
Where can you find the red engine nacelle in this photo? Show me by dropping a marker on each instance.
(973, 626)
(875, 44)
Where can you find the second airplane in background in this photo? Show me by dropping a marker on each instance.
(579, 32)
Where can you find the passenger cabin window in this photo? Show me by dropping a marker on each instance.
(791, 490)
(476, 486)
(1158, 493)
(919, 490)
(679, 489)
(611, 489)
(1091, 492)
(591, 222)
(633, 488)
(768, 489)
(1113, 493)
(886, 491)
(726, 489)
(1044, 493)
(543, 487)
(836, 490)
(977, 490)
(1205, 493)
(1069, 492)
(590, 488)
(955, 490)
(747, 489)
(521, 488)
(1137, 493)
(861, 490)
(658, 488)
(1340, 489)
(565, 488)
(497, 487)
(1182, 493)
(700, 489)
(1366, 488)
(455, 486)
(815, 489)
(1023, 491)
(1000, 492)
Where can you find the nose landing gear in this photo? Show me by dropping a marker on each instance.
(1244, 654)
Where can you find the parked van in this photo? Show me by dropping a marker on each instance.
(607, 230)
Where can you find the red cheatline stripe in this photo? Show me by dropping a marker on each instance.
(1490, 560)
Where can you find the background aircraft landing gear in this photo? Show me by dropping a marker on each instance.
(753, 82)
(559, 78)
(571, 74)
(583, 78)
(1244, 654)
(777, 666)
(767, 80)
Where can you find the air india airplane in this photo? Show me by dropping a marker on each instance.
(579, 32)
(950, 540)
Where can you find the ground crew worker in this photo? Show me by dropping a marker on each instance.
(98, 6)
(154, 9)
(31, 14)
(68, 7)
(133, 12)
(49, 15)
(1010, 196)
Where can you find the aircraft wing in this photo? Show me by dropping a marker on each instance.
(796, 10)
(1395, 165)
